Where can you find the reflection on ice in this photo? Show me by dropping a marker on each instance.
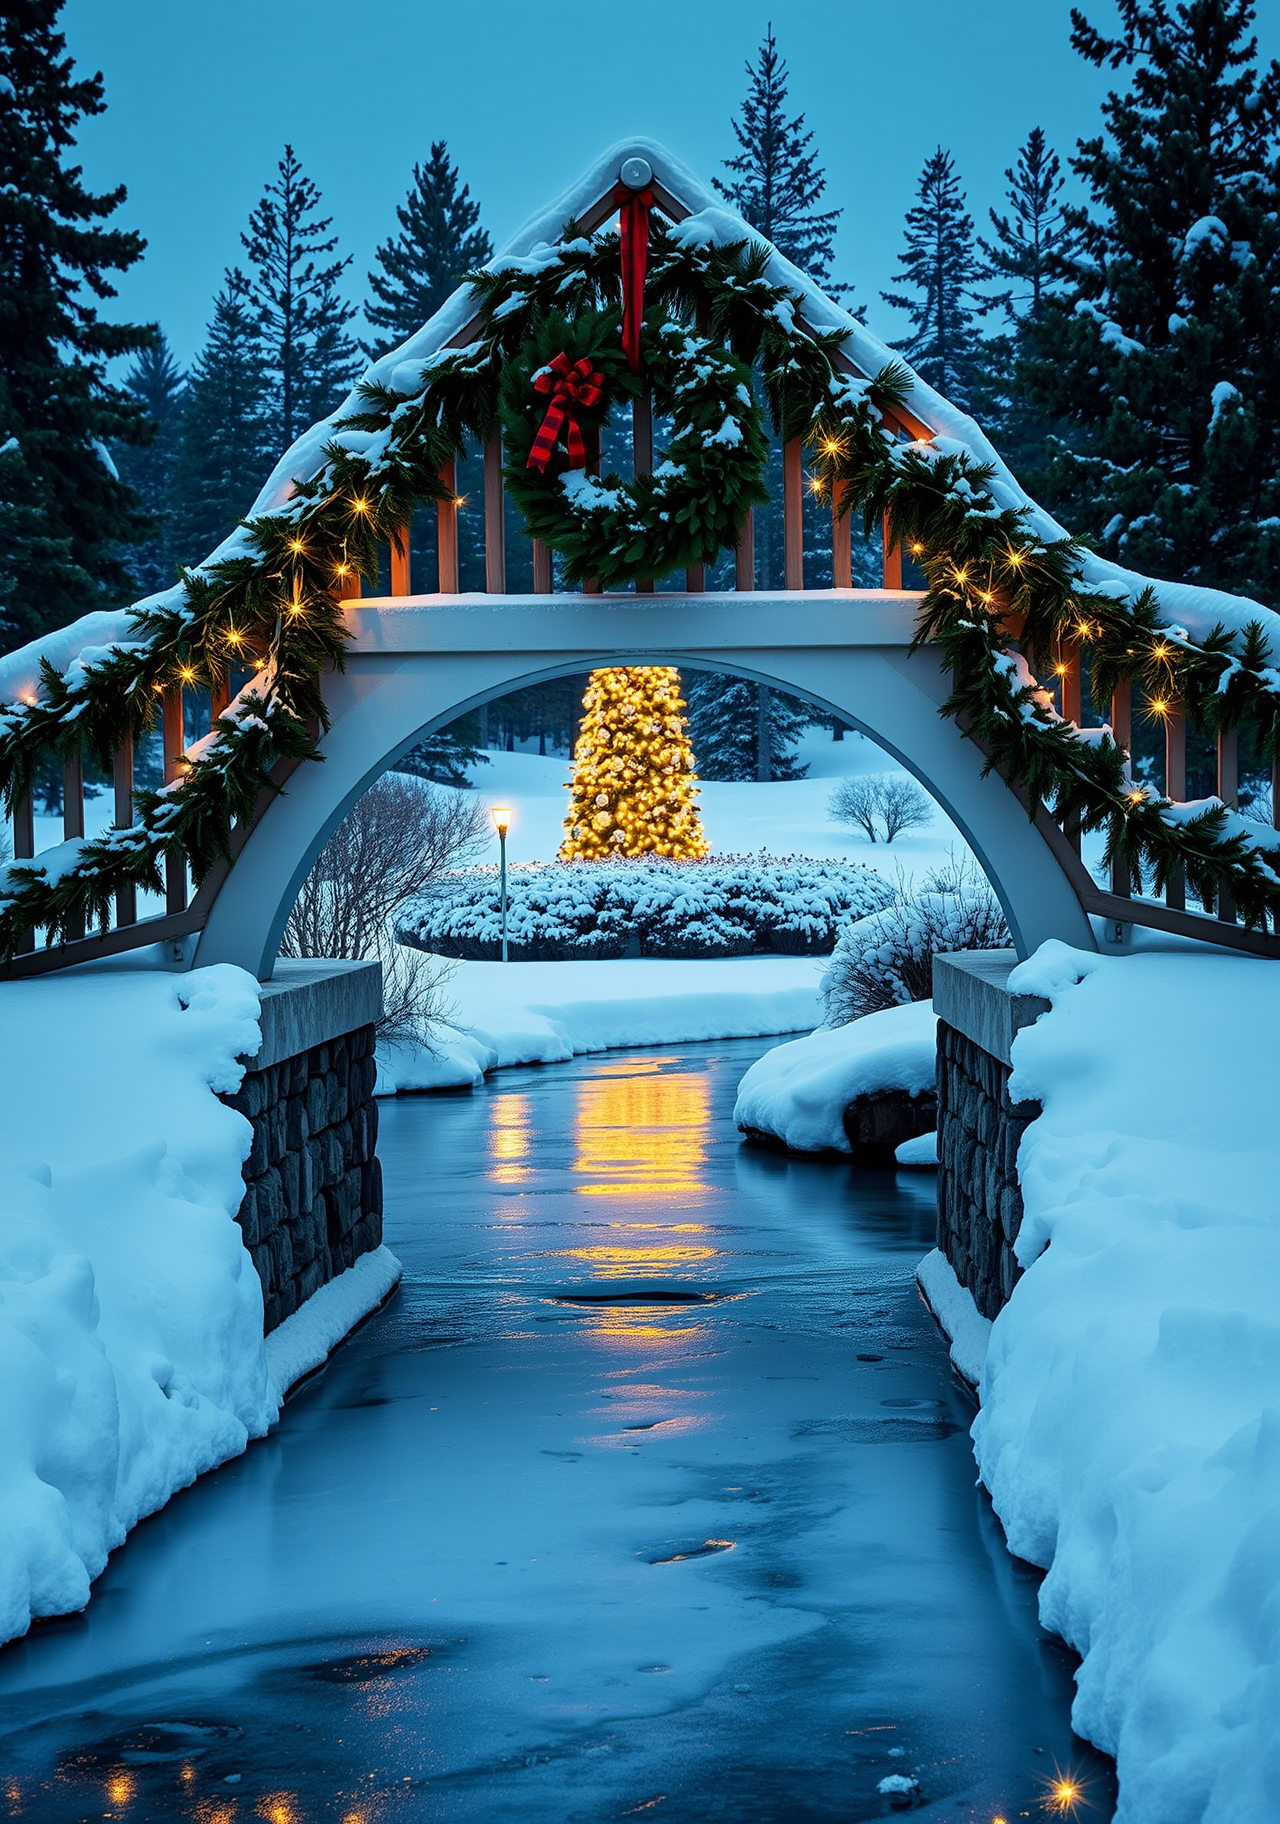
(642, 1134)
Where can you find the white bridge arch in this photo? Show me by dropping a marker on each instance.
(416, 663)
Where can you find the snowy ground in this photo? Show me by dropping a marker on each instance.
(131, 1349)
(786, 818)
(1130, 1431)
(542, 1013)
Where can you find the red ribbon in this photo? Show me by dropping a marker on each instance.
(567, 385)
(635, 207)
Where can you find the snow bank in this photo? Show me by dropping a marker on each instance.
(131, 1354)
(1130, 1423)
(308, 1337)
(543, 1013)
(800, 1091)
(967, 1330)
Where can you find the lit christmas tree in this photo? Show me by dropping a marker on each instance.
(633, 789)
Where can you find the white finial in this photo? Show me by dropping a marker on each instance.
(636, 173)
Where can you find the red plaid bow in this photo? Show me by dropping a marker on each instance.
(579, 383)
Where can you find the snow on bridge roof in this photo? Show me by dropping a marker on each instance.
(1186, 605)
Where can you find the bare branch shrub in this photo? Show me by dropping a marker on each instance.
(886, 959)
(392, 847)
(880, 804)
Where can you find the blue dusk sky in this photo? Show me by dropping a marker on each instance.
(202, 97)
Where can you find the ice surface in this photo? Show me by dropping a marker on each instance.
(799, 1091)
(1130, 1431)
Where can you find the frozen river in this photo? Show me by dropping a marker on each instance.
(648, 1494)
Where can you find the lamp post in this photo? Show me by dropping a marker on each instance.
(501, 814)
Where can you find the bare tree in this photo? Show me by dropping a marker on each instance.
(880, 804)
(391, 848)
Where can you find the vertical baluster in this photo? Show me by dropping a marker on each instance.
(24, 847)
(642, 448)
(495, 543)
(1229, 792)
(695, 578)
(1121, 729)
(792, 514)
(349, 585)
(542, 573)
(744, 566)
(447, 529)
(401, 577)
(219, 698)
(122, 779)
(173, 739)
(892, 557)
(1069, 678)
(73, 814)
(841, 541)
(1175, 787)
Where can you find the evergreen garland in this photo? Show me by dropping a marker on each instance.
(270, 602)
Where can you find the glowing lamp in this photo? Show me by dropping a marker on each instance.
(501, 814)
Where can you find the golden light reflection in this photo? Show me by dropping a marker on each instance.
(120, 1788)
(279, 1808)
(511, 1120)
(641, 1135)
(215, 1811)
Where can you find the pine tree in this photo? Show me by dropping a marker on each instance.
(1161, 357)
(447, 756)
(70, 518)
(309, 357)
(941, 264)
(743, 731)
(157, 383)
(778, 181)
(440, 238)
(633, 790)
(223, 453)
(1034, 242)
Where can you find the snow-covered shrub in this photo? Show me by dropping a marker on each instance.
(723, 906)
(887, 958)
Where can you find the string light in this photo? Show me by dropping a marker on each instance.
(459, 500)
(1015, 559)
(296, 544)
(962, 576)
(1065, 1794)
(186, 674)
(360, 504)
(1061, 669)
(916, 548)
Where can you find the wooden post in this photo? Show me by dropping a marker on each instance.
(73, 814)
(24, 847)
(695, 579)
(173, 738)
(495, 542)
(542, 574)
(642, 449)
(1229, 792)
(744, 568)
(401, 582)
(447, 530)
(1175, 787)
(122, 779)
(792, 514)
(1121, 729)
(349, 585)
(841, 541)
(892, 558)
(219, 701)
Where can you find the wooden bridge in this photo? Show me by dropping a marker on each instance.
(419, 660)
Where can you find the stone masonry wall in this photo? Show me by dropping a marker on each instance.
(313, 1185)
(979, 1199)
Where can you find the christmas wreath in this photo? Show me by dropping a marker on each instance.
(555, 397)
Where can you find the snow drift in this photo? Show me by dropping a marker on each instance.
(1130, 1423)
(799, 1092)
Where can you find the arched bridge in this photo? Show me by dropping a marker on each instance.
(418, 662)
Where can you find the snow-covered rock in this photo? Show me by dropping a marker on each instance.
(1130, 1423)
(798, 1092)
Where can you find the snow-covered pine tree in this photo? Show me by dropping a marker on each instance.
(1160, 360)
(1034, 241)
(223, 450)
(741, 730)
(634, 788)
(941, 265)
(158, 383)
(440, 238)
(309, 359)
(69, 518)
(777, 181)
